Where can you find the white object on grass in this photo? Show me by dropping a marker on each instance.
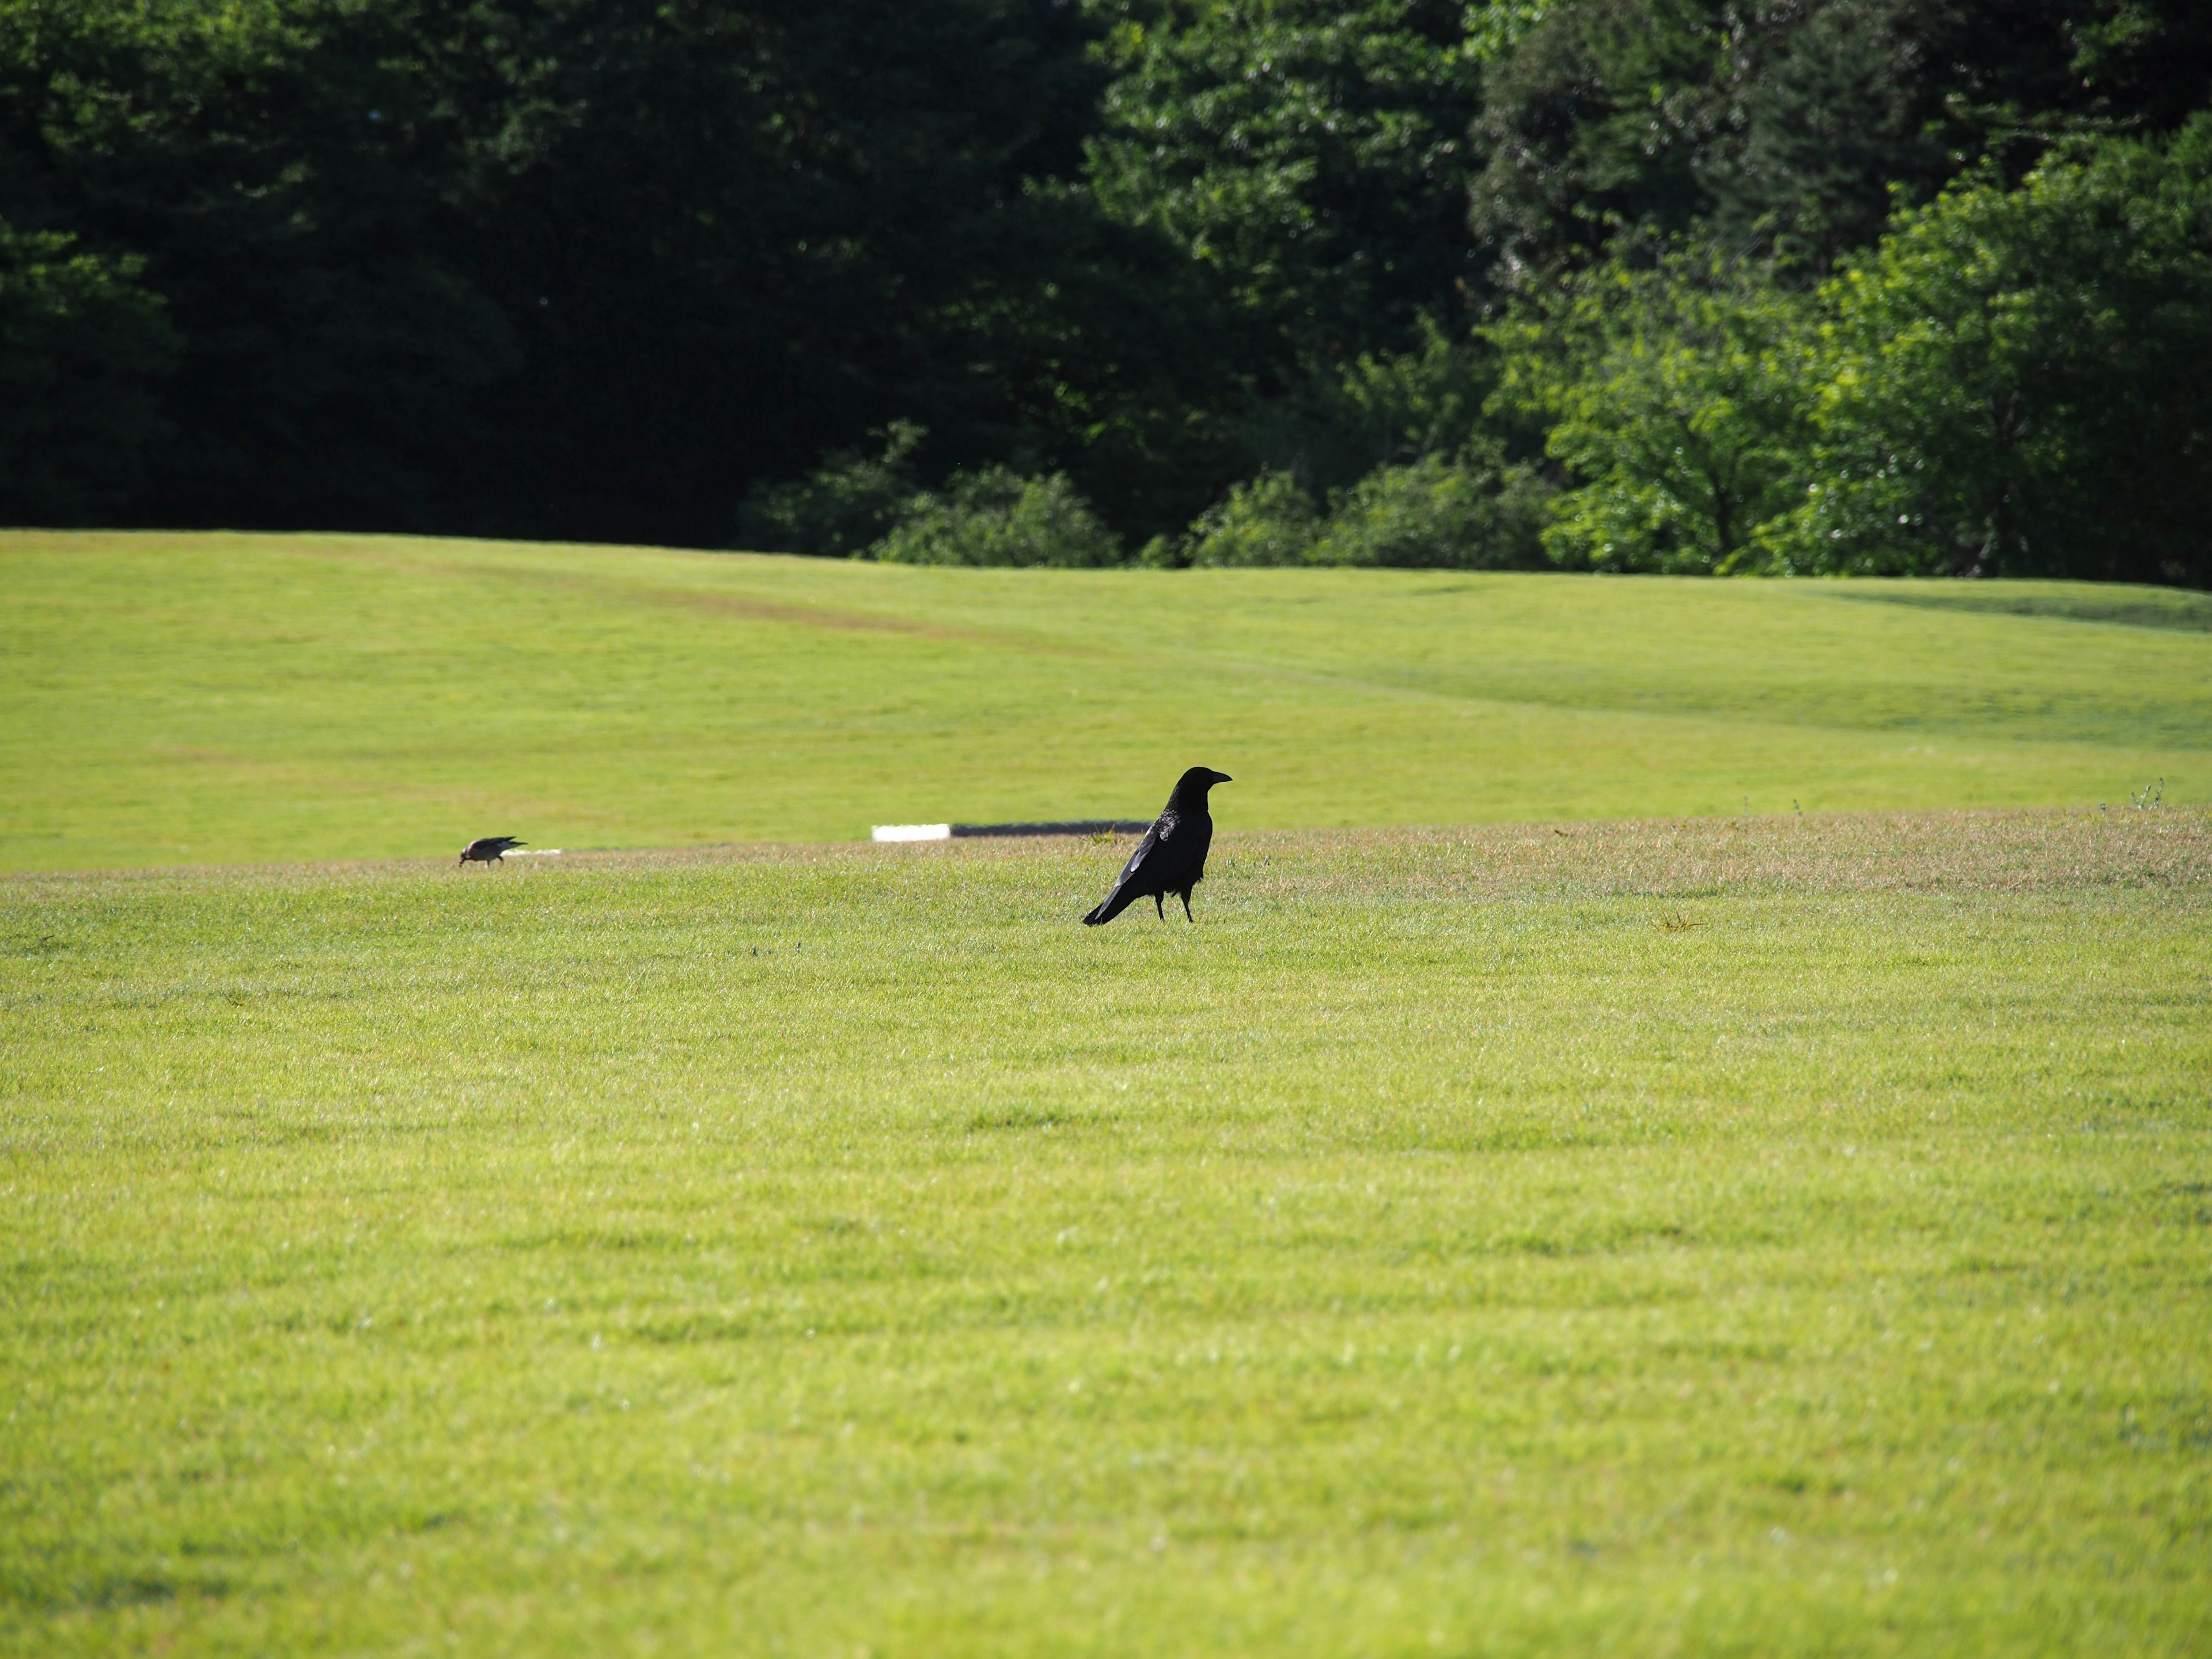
(911, 832)
(533, 852)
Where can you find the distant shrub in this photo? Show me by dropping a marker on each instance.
(995, 516)
(842, 507)
(1469, 513)
(1268, 521)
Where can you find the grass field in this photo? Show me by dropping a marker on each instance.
(1702, 1238)
(211, 699)
(1645, 1219)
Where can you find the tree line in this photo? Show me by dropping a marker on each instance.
(1880, 286)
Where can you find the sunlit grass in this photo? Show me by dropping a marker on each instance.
(211, 699)
(1720, 1237)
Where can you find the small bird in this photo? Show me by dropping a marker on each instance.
(489, 849)
(1171, 858)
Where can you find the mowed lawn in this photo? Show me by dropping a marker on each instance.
(171, 699)
(1713, 1237)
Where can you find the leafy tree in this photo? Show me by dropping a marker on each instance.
(1312, 152)
(2019, 382)
(274, 172)
(1592, 123)
(591, 267)
(839, 226)
(83, 350)
(1790, 122)
(598, 268)
(1675, 403)
(1096, 347)
(1834, 109)
(1377, 408)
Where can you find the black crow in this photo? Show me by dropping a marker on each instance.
(489, 849)
(1171, 858)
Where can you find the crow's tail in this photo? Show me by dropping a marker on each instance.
(1110, 907)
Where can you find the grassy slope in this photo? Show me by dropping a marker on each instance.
(813, 1251)
(212, 698)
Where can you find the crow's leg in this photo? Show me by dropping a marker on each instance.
(1186, 915)
(1159, 907)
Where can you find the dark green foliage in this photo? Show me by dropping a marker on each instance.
(1841, 105)
(846, 218)
(876, 507)
(994, 516)
(841, 508)
(1313, 152)
(2019, 382)
(1099, 348)
(1467, 512)
(1312, 158)
(1144, 269)
(1594, 121)
(590, 267)
(1348, 418)
(281, 175)
(83, 352)
(2012, 382)
(1790, 121)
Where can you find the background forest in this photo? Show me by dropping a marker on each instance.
(1899, 285)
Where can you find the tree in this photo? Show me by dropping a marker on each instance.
(735, 235)
(2019, 382)
(589, 268)
(1786, 125)
(1594, 122)
(83, 350)
(276, 172)
(1312, 152)
(1672, 393)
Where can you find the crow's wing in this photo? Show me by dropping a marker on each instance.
(1154, 867)
(1197, 838)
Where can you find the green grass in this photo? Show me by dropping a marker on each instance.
(214, 699)
(1707, 1239)
(1715, 1236)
